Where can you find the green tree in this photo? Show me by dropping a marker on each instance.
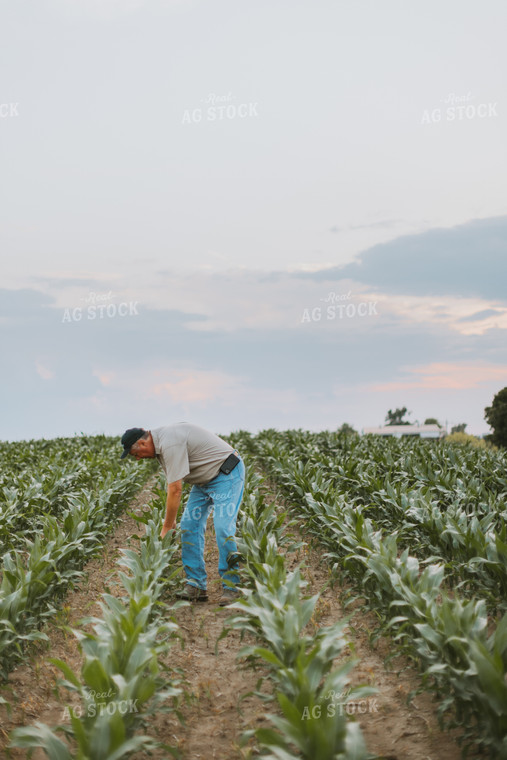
(432, 421)
(347, 429)
(396, 417)
(459, 428)
(496, 417)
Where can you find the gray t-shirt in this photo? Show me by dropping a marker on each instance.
(189, 452)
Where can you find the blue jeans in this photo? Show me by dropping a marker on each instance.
(223, 494)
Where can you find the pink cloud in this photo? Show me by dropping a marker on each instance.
(106, 378)
(194, 386)
(43, 371)
(443, 376)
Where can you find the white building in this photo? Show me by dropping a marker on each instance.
(398, 431)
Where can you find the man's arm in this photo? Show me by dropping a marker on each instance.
(173, 502)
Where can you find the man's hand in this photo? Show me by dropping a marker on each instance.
(166, 529)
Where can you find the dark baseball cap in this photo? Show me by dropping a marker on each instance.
(128, 439)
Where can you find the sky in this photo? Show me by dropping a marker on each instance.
(248, 215)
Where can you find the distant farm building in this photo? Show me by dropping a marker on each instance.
(399, 431)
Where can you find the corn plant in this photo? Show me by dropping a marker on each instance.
(374, 513)
(312, 723)
(53, 523)
(121, 682)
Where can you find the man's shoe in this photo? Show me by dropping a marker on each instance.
(229, 595)
(193, 593)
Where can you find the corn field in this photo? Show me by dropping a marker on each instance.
(415, 528)
(58, 501)
(419, 527)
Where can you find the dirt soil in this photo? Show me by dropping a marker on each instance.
(214, 716)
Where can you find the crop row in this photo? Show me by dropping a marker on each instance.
(426, 492)
(36, 574)
(41, 478)
(463, 654)
(315, 713)
(122, 680)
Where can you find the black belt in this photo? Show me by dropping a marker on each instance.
(229, 464)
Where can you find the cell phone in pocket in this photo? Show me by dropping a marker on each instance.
(229, 464)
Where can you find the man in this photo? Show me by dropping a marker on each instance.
(217, 474)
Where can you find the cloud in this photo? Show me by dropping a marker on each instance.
(252, 364)
(23, 304)
(106, 378)
(43, 371)
(468, 316)
(478, 316)
(246, 328)
(445, 376)
(468, 260)
(62, 282)
(384, 224)
(195, 386)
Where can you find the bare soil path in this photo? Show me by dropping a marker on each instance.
(214, 717)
